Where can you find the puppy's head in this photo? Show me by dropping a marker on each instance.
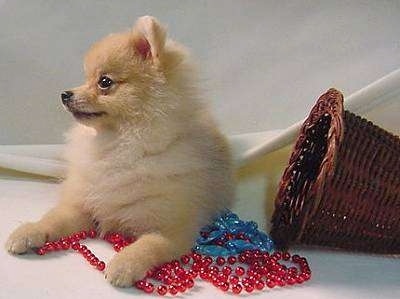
(126, 74)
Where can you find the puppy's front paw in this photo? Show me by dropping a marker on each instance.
(25, 237)
(124, 269)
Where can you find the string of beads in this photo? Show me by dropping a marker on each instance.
(247, 271)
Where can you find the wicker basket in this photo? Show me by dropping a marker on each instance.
(342, 186)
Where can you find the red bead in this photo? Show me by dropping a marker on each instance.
(57, 245)
(281, 271)
(280, 281)
(196, 266)
(219, 243)
(207, 261)
(41, 251)
(192, 274)
(73, 239)
(180, 287)
(259, 285)
(249, 288)
(224, 286)
(307, 270)
(162, 290)
(285, 256)
(185, 259)
(256, 276)
(233, 279)
(75, 246)
(239, 271)
(274, 266)
(220, 261)
(245, 281)
(303, 261)
(277, 255)
(240, 236)
(148, 288)
(117, 247)
(237, 288)
(180, 272)
(231, 260)
(65, 245)
(92, 234)
(291, 280)
(214, 269)
(172, 290)
(167, 280)
(65, 239)
(242, 258)
(265, 256)
(115, 238)
(229, 236)
(196, 257)
(189, 283)
(296, 258)
(227, 270)
(83, 235)
(222, 277)
(140, 284)
(204, 234)
(299, 279)
(48, 245)
(94, 261)
(305, 276)
(175, 263)
(215, 282)
(270, 283)
(101, 266)
(88, 255)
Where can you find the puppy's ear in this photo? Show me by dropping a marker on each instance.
(149, 38)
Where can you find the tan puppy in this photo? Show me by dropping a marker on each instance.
(145, 157)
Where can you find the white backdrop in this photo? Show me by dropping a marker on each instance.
(263, 62)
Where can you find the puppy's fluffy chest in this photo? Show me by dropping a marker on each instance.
(122, 175)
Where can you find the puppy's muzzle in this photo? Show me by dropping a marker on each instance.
(66, 97)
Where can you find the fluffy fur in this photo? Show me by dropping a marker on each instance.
(147, 161)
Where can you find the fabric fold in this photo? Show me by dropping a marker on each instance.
(46, 159)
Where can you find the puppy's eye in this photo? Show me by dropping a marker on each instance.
(105, 82)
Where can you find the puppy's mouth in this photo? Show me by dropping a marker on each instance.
(78, 114)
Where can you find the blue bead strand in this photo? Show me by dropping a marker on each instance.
(213, 240)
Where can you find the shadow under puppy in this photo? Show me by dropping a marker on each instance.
(145, 158)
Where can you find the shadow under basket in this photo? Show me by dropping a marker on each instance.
(341, 188)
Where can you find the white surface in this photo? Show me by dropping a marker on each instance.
(265, 62)
(66, 275)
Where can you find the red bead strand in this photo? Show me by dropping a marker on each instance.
(249, 271)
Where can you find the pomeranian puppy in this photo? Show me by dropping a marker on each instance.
(145, 158)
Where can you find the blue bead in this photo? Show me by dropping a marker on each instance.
(213, 250)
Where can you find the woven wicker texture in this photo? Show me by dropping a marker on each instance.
(341, 187)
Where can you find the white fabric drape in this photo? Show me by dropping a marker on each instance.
(47, 160)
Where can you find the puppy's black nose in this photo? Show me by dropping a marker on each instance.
(66, 96)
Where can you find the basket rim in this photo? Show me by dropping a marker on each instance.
(331, 103)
